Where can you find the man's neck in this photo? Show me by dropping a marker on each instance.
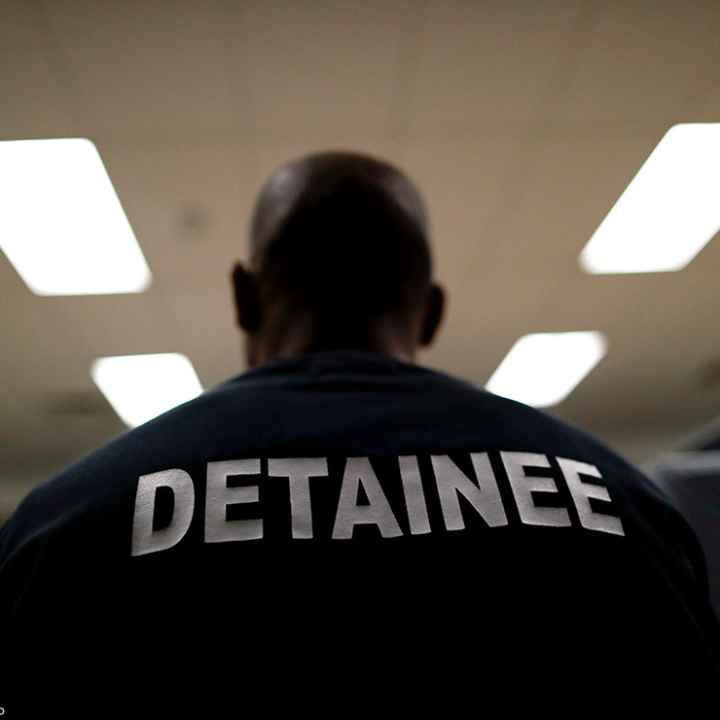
(379, 339)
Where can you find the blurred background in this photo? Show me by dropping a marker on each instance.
(523, 122)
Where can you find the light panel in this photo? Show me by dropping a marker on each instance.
(542, 369)
(62, 226)
(141, 387)
(668, 212)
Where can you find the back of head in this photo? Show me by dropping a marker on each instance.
(341, 237)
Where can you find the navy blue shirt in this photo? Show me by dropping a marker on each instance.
(339, 521)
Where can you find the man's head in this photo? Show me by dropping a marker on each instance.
(339, 258)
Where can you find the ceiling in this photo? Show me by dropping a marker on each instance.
(521, 121)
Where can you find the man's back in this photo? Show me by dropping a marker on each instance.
(348, 521)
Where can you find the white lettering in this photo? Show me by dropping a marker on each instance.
(414, 496)
(363, 498)
(523, 486)
(219, 496)
(484, 497)
(144, 540)
(358, 471)
(299, 471)
(581, 491)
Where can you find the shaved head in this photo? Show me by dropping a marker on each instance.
(321, 177)
(339, 256)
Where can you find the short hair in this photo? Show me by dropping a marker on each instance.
(347, 236)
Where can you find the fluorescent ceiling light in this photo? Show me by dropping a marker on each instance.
(542, 369)
(141, 387)
(61, 225)
(668, 212)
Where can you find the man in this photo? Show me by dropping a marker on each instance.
(339, 529)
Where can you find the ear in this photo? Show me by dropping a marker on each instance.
(246, 297)
(434, 312)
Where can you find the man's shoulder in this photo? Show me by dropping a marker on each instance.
(101, 478)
